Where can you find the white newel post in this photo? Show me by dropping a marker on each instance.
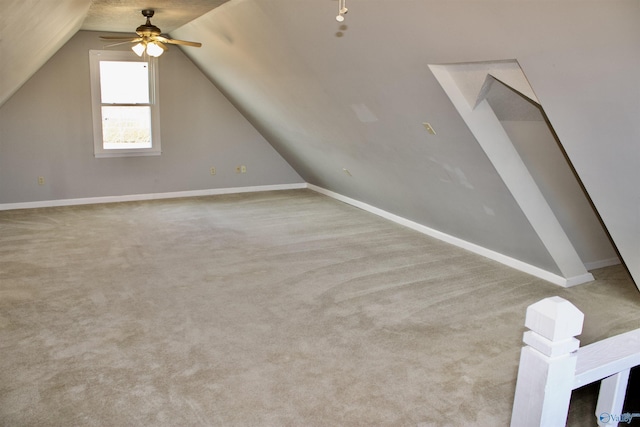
(547, 364)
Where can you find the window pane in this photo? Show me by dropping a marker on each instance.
(124, 82)
(126, 127)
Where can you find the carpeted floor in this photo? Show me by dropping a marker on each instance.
(268, 309)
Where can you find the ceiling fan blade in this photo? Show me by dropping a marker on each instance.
(131, 38)
(124, 42)
(184, 43)
(181, 42)
(148, 34)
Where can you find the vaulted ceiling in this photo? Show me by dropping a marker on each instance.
(32, 31)
(331, 96)
(124, 15)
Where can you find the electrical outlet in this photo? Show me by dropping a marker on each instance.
(238, 169)
(212, 171)
(429, 129)
(243, 169)
(41, 180)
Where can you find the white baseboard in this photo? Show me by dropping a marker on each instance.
(151, 196)
(495, 256)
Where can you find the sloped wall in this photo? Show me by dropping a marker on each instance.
(354, 95)
(30, 33)
(46, 130)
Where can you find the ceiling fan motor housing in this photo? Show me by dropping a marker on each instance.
(148, 29)
(149, 35)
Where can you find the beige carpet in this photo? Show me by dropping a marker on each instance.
(268, 309)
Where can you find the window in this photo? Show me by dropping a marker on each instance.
(124, 95)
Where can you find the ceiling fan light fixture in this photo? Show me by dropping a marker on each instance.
(153, 49)
(138, 49)
(149, 38)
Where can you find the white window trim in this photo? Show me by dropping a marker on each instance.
(95, 56)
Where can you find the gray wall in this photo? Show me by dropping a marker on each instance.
(46, 130)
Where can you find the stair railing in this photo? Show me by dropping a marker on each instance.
(553, 364)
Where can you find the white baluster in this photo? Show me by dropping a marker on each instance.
(611, 398)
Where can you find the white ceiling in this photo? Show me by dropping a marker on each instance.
(30, 33)
(125, 15)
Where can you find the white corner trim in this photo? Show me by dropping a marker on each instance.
(506, 160)
(151, 196)
(487, 253)
(578, 280)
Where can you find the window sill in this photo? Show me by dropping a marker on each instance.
(127, 154)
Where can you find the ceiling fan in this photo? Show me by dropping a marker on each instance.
(149, 39)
